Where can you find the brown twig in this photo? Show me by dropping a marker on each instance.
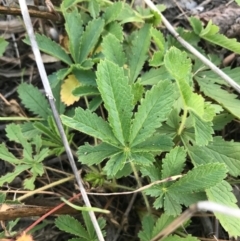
(33, 13)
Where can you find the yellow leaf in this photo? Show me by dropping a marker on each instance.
(66, 90)
(25, 237)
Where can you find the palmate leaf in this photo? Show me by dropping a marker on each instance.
(91, 124)
(139, 52)
(91, 155)
(117, 97)
(50, 47)
(219, 151)
(113, 50)
(153, 110)
(173, 163)
(90, 38)
(14, 133)
(222, 193)
(200, 178)
(34, 100)
(74, 30)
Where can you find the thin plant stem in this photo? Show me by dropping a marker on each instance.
(140, 185)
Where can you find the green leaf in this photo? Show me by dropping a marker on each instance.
(171, 206)
(200, 178)
(112, 12)
(140, 46)
(8, 156)
(41, 155)
(228, 100)
(153, 172)
(158, 38)
(154, 76)
(90, 38)
(115, 164)
(14, 133)
(221, 120)
(212, 35)
(2, 197)
(113, 50)
(94, 8)
(3, 46)
(50, 47)
(68, 3)
(85, 90)
(137, 91)
(196, 25)
(84, 76)
(115, 29)
(117, 97)
(157, 59)
(70, 225)
(222, 193)
(128, 14)
(179, 66)
(96, 154)
(173, 163)
(155, 143)
(89, 123)
(143, 159)
(203, 130)
(44, 129)
(162, 223)
(33, 100)
(147, 228)
(219, 151)
(74, 30)
(28, 183)
(8, 178)
(153, 110)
